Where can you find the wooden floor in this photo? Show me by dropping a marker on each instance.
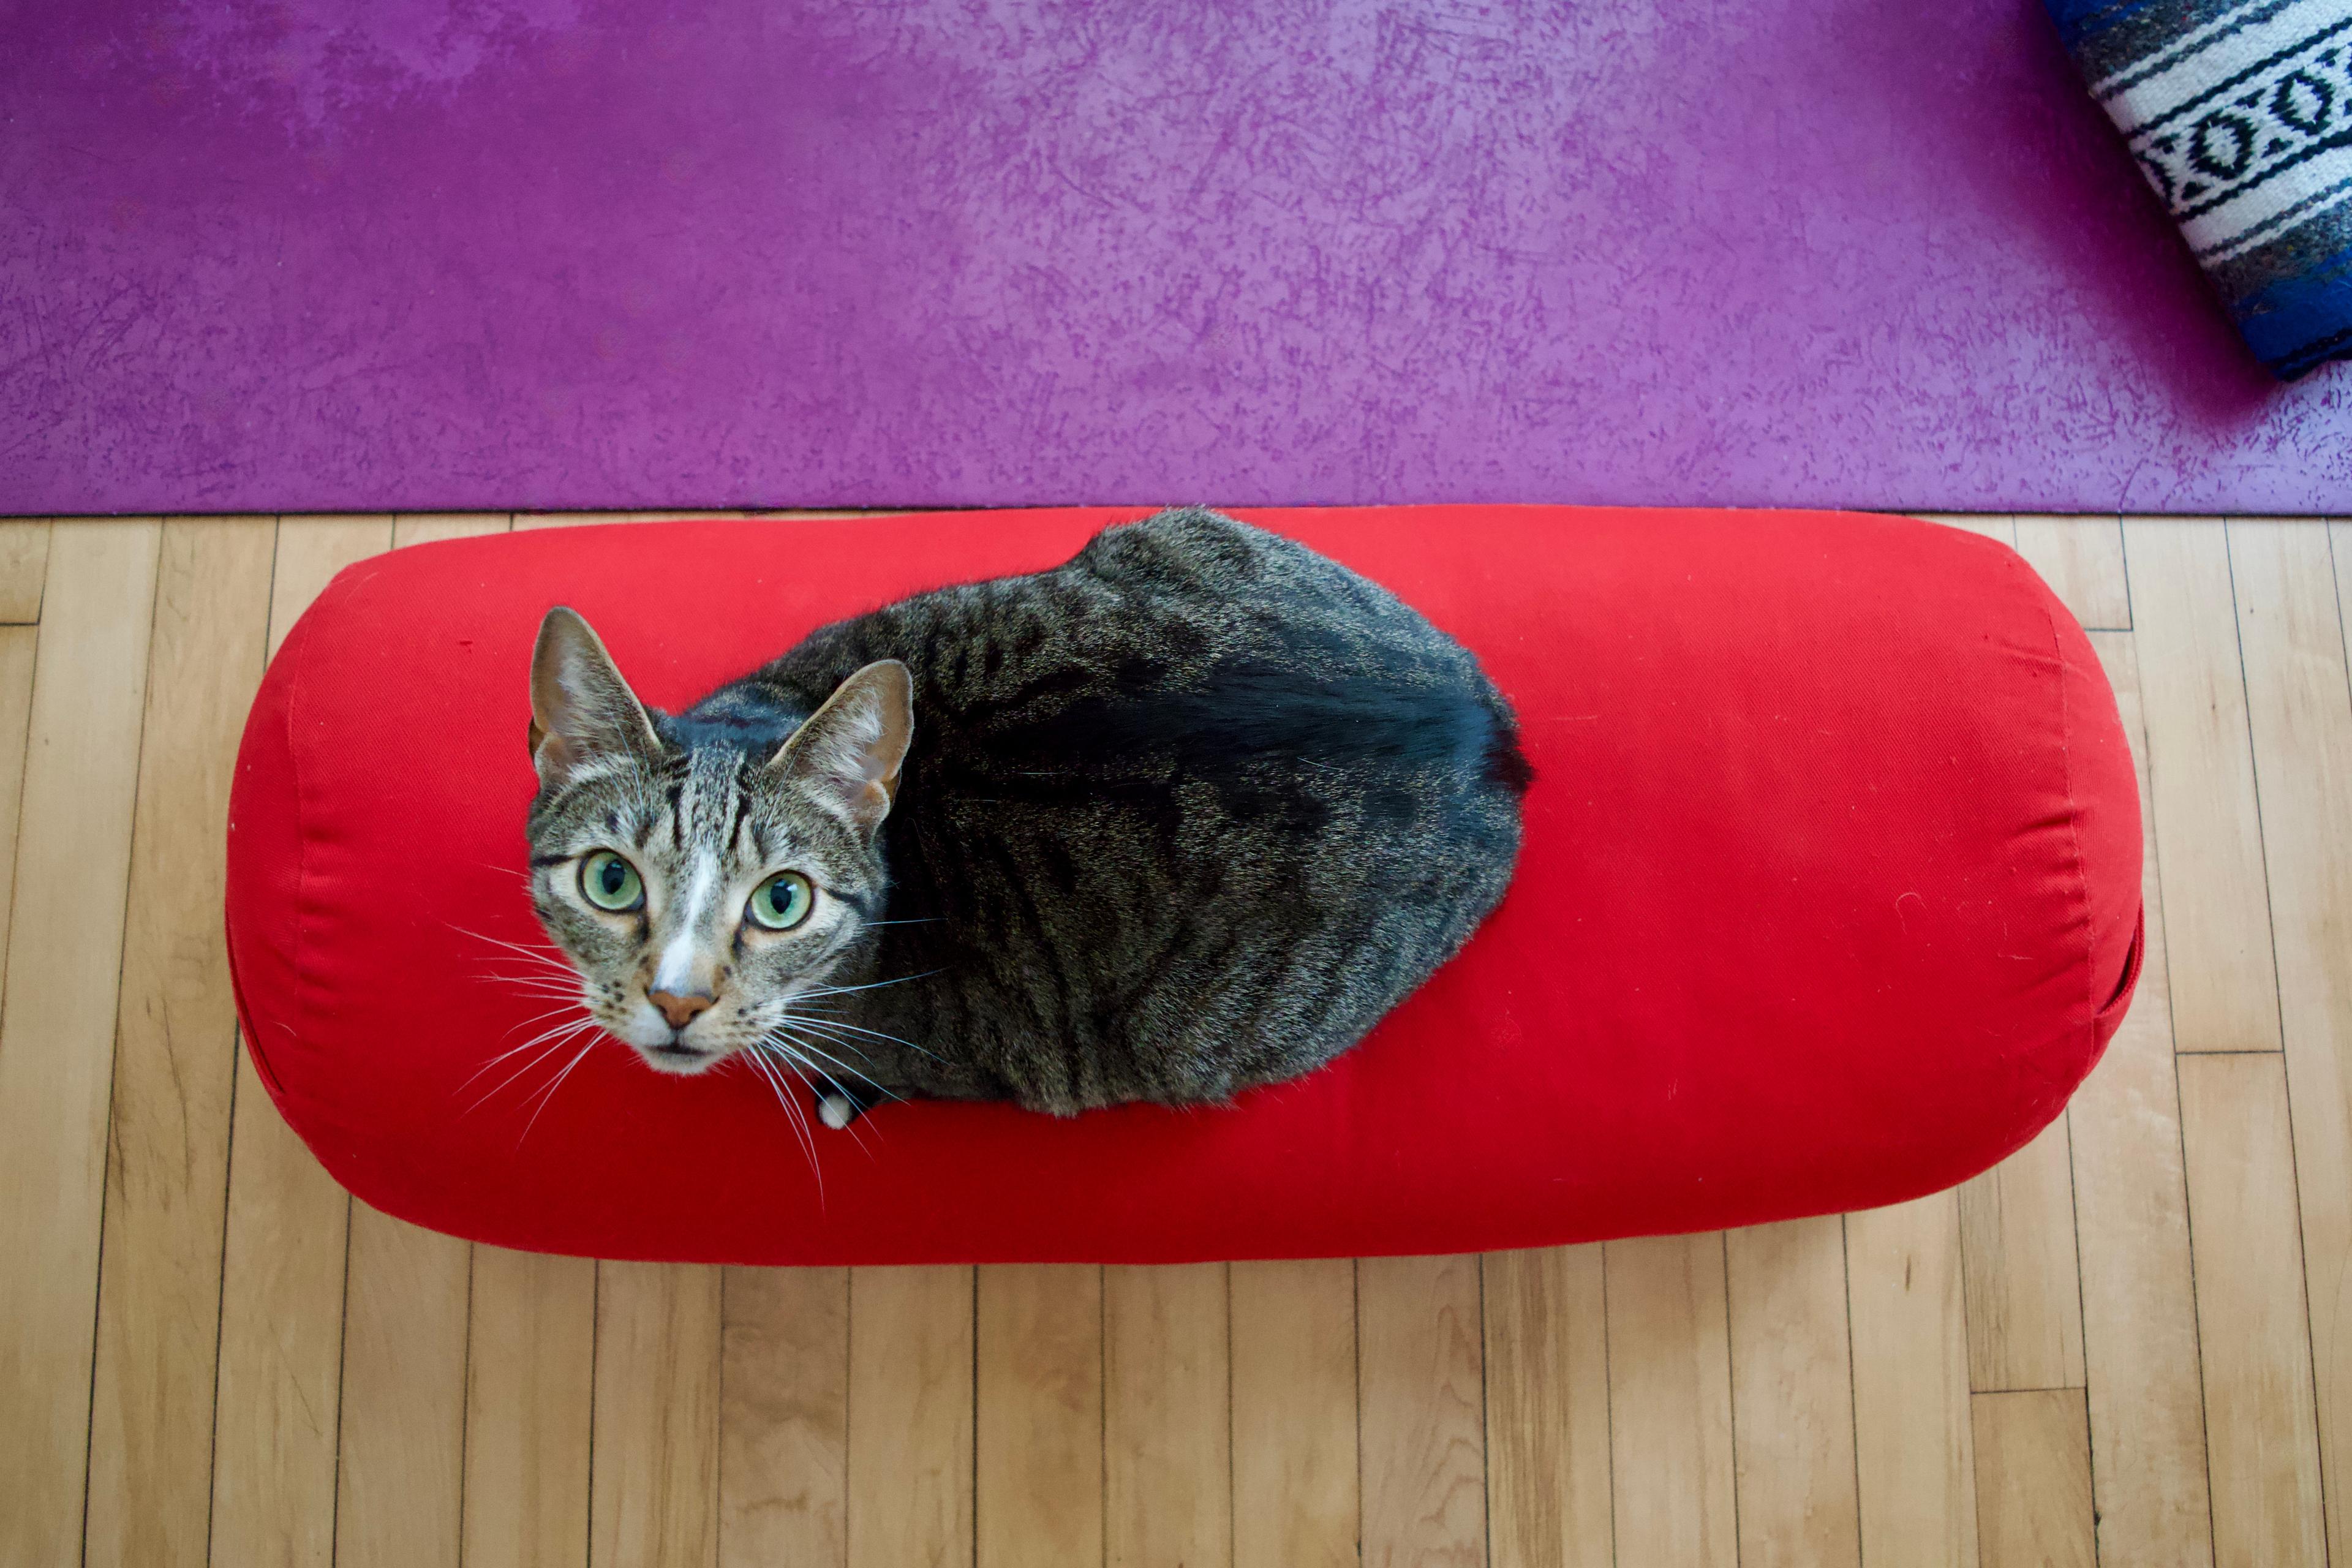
(2131, 1345)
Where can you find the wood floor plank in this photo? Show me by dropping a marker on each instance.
(1167, 1418)
(2033, 1479)
(18, 649)
(783, 1418)
(2339, 537)
(275, 1409)
(2209, 839)
(57, 1022)
(1792, 1395)
(653, 1477)
(1670, 1402)
(432, 527)
(1423, 1411)
(2024, 1286)
(2262, 1424)
(278, 1407)
(2131, 1208)
(1039, 1393)
(24, 568)
(2292, 628)
(174, 1057)
(1295, 1462)
(911, 1428)
(400, 1473)
(2081, 559)
(1915, 1460)
(1548, 1409)
(529, 1398)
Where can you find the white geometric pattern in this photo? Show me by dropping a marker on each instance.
(2245, 127)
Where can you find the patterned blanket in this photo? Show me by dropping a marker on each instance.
(2241, 116)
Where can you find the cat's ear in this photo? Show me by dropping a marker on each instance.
(849, 751)
(581, 711)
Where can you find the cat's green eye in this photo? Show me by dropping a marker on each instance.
(611, 883)
(782, 901)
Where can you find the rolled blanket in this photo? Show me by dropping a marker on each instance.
(2241, 116)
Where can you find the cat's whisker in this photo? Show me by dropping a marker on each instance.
(536, 952)
(572, 1001)
(530, 976)
(791, 1045)
(860, 1030)
(562, 1039)
(548, 1054)
(547, 1095)
(535, 984)
(826, 1030)
(549, 971)
(568, 1007)
(531, 981)
(838, 1043)
(869, 986)
(547, 955)
(503, 1055)
(551, 1032)
(571, 1005)
(546, 974)
(801, 1044)
(826, 1017)
(526, 949)
(798, 1065)
(803, 1067)
(565, 996)
(793, 1113)
(552, 1043)
(804, 1018)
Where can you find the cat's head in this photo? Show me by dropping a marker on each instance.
(707, 880)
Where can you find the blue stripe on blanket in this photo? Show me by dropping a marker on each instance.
(2301, 321)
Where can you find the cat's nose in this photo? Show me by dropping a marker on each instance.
(679, 1010)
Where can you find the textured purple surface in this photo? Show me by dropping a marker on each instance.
(416, 254)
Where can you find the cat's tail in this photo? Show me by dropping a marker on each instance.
(1507, 764)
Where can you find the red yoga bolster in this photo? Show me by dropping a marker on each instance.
(1830, 896)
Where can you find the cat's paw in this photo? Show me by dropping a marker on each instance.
(837, 1110)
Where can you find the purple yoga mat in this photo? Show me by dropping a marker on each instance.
(415, 254)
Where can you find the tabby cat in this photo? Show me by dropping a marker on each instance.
(1184, 815)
